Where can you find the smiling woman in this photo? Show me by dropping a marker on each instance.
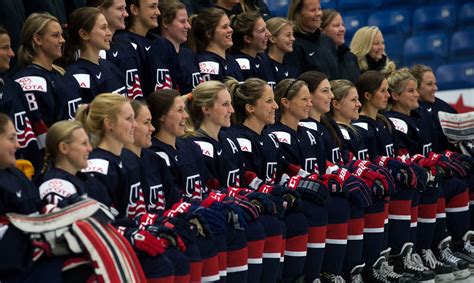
(18, 195)
(369, 47)
(51, 93)
(88, 34)
(333, 26)
(312, 50)
(250, 39)
(67, 153)
(211, 37)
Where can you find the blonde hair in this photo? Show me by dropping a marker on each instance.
(203, 95)
(397, 81)
(92, 116)
(36, 23)
(339, 88)
(361, 44)
(59, 132)
(275, 25)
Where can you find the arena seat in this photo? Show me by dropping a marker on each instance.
(278, 8)
(393, 43)
(434, 18)
(353, 22)
(358, 5)
(397, 3)
(466, 16)
(392, 21)
(462, 46)
(455, 76)
(329, 4)
(429, 49)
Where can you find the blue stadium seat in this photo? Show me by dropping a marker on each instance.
(429, 49)
(434, 18)
(462, 46)
(329, 4)
(455, 76)
(278, 8)
(353, 22)
(357, 5)
(466, 16)
(392, 47)
(397, 3)
(392, 21)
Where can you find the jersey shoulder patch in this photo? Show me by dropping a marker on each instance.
(245, 144)
(206, 148)
(363, 125)
(209, 67)
(309, 125)
(244, 63)
(283, 137)
(103, 54)
(84, 80)
(58, 187)
(33, 83)
(399, 125)
(164, 156)
(345, 133)
(97, 165)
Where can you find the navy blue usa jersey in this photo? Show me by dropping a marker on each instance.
(95, 79)
(377, 137)
(186, 164)
(164, 64)
(299, 147)
(256, 67)
(352, 143)
(152, 60)
(56, 96)
(283, 71)
(159, 189)
(189, 75)
(214, 67)
(332, 151)
(57, 184)
(261, 153)
(14, 104)
(410, 134)
(124, 56)
(223, 158)
(109, 169)
(17, 195)
(432, 109)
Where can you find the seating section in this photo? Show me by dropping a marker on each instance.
(358, 5)
(437, 33)
(392, 21)
(353, 22)
(393, 47)
(455, 76)
(429, 49)
(466, 16)
(462, 46)
(434, 18)
(279, 8)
